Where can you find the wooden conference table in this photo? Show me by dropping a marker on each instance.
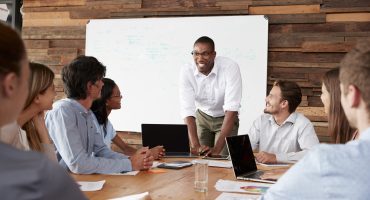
(173, 184)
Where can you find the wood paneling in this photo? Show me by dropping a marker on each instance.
(306, 37)
(292, 9)
(348, 17)
(336, 6)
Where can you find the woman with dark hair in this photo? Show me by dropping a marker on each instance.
(111, 100)
(339, 128)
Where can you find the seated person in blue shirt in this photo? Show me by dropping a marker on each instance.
(339, 171)
(80, 147)
(281, 134)
(111, 100)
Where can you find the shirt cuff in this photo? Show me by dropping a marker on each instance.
(234, 108)
(127, 166)
(185, 114)
(281, 157)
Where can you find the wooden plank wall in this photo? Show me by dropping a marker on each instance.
(306, 37)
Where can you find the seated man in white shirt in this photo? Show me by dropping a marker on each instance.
(281, 134)
(339, 171)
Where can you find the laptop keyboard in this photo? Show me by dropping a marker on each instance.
(255, 175)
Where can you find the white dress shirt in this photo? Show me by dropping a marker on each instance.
(214, 94)
(289, 142)
(329, 171)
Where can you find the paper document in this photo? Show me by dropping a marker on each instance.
(155, 164)
(131, 173)
(141, 196)
(218, 163)
(234, 196)
(273, 165)
(91, 185)
(241, 186)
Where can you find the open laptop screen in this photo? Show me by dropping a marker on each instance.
(241, 154)
(174, 137)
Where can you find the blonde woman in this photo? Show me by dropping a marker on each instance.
(40, 98)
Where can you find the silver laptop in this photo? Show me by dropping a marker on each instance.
(174, 138)
(242, 158)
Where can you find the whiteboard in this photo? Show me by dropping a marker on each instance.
(144, 57)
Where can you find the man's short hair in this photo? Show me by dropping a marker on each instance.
(291, 92)
(12, 51)
(355, 70)
(206, 40)
(78, 73)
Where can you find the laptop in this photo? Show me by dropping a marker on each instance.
(242, 158)
(174, 138)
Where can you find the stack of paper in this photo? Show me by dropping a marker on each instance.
(218, 163)
(91, 185)
(141, 196)
(242, 187)
(235, 196)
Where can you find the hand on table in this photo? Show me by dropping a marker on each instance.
(200, 150)
(142, 159)
(264, 157)
(274, 174)
(158, 152)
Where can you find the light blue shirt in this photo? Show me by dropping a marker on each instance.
(289, 142)
(339, 171)
(80, 147)
(107, 132)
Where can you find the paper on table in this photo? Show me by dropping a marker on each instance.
(236, 186)
(91, 185)
(218, 163)
(235, 196)
(141, 196)
(132, 173)
(155, 164)
(273, 165)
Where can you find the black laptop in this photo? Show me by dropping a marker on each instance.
(174, 138)
(243, 160)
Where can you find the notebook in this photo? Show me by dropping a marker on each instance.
(174, 138)
(242, 158)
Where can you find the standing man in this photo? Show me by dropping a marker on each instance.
(281, 134)
(210, 95)
(80, 147)
(339, 171)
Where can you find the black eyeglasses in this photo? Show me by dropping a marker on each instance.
(203, 54)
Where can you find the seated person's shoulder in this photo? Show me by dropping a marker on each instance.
(62, 105)
(30, 173)
(343, 152)
(300, 117)
(264, 117)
